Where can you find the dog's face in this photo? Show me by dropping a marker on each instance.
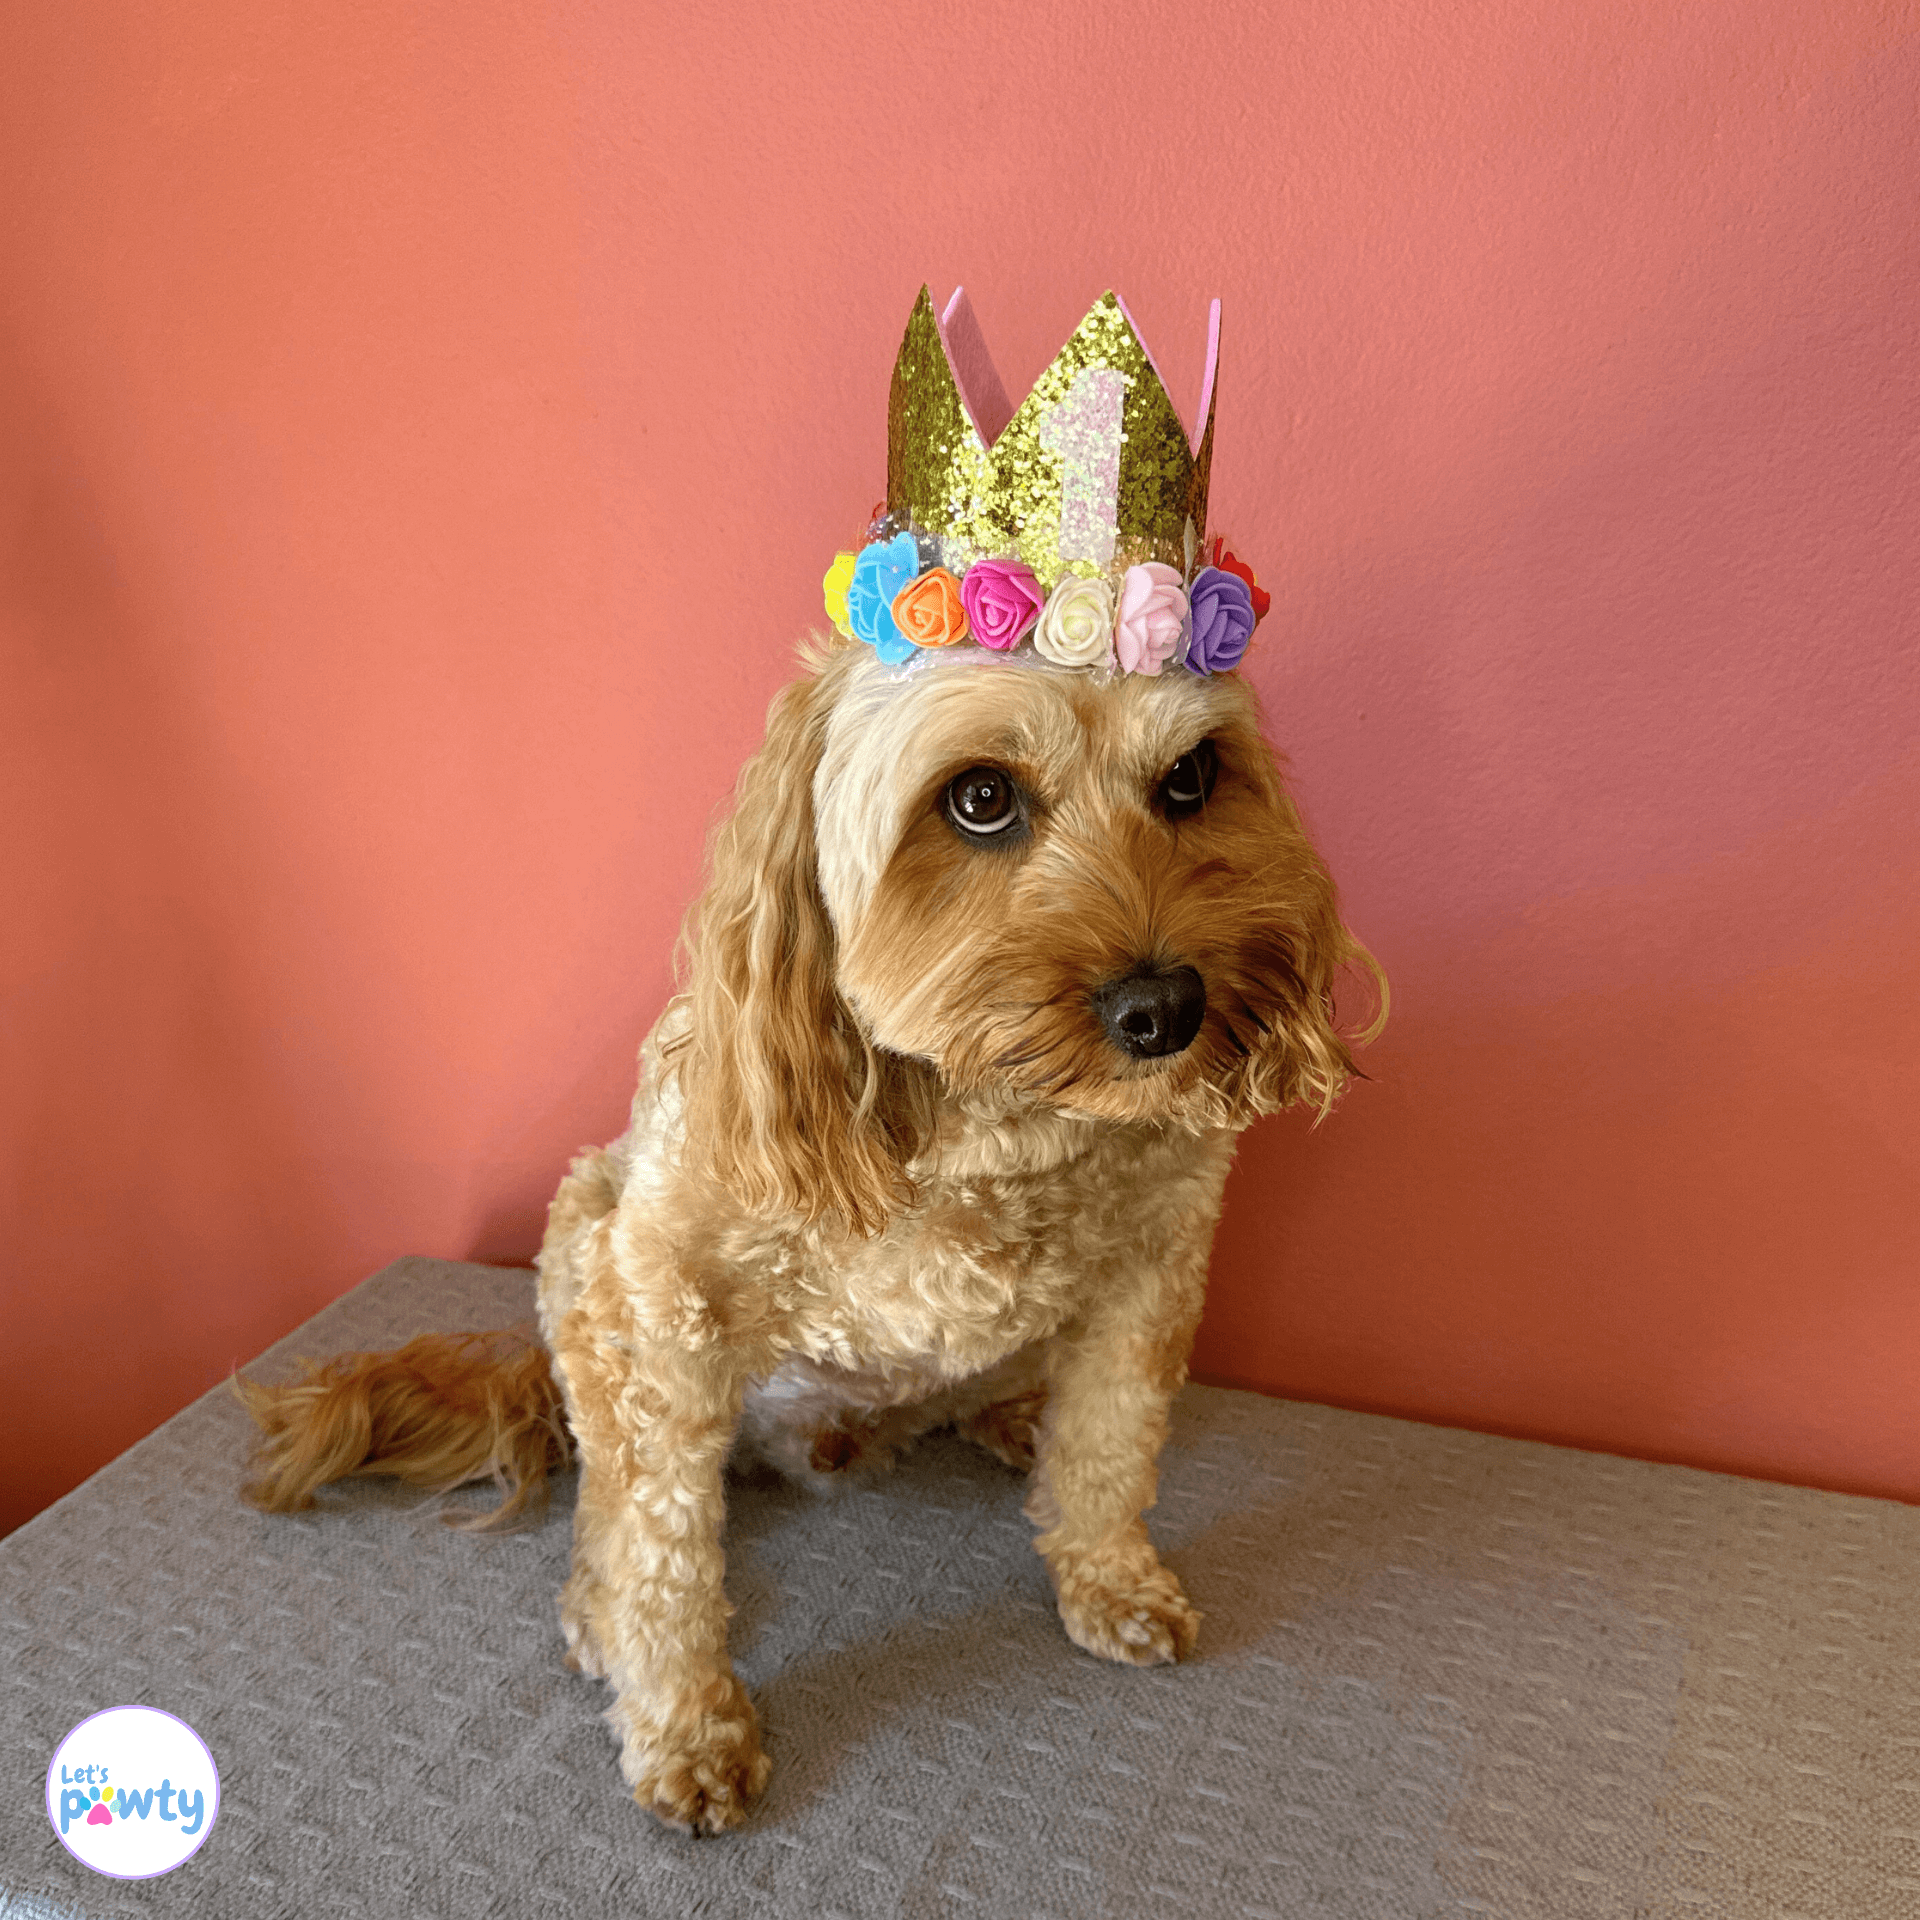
(987, 875)
(1093, 895)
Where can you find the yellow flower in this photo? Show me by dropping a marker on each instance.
(839, 579)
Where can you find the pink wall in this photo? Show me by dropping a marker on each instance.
(421, 435)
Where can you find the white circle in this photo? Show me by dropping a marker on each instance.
(155, 1778)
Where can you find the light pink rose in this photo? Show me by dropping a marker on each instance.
(1152, 621)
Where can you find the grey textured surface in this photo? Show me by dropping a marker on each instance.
(1441, 1674)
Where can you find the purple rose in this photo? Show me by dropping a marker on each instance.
(1222, 620)
(1003, 600)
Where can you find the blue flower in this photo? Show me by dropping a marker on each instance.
(879, 574)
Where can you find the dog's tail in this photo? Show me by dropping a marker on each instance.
(439, 1412)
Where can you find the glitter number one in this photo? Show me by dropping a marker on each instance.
(1083, 433)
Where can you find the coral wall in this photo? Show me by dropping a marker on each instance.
(422, 431)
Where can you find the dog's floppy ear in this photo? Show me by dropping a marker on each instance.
(786, 1103)
(1292, 948)
(1306, 1056)
(1317, 1057)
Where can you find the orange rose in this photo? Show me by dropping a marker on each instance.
(928, 610)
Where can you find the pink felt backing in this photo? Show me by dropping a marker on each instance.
(981, 391)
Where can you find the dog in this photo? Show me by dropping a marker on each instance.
(995, 962)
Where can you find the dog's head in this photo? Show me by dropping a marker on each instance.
(992, 876)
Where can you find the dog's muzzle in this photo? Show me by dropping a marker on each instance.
(1150, 1012)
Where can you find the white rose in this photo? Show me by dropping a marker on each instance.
(1076, 625)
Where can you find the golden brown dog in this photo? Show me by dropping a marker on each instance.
(995, 962)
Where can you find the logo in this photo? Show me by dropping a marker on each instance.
(132, 1792)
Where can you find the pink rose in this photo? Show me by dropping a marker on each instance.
(1003, 600)
(1153, 618)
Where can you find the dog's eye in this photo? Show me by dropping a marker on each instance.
(983, 801)
(1189, 781)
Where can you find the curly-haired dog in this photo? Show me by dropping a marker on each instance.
(994, 964)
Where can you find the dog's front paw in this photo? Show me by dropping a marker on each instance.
(1143, 1622)
(702, 1771)
(706, 1789)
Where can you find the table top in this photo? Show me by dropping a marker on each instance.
(1440, 1673)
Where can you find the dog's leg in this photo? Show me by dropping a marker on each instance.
(654, 1414)
(583, 1597)
(1001, 1409)
(1112, 1379)
(1008, 1429)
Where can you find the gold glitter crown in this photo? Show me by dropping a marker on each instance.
(1092, 471)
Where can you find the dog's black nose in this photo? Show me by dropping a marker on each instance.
(1149, 1012)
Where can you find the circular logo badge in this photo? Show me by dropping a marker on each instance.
(132, 1792)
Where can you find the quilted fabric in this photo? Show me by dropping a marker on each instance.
(1440, 1674)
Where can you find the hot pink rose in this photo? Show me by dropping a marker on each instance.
(1153, 618)
(1003, 600)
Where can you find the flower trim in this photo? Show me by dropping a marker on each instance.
(834, 590)
(1156, 618)
(928, 610)
(1076, 626)
(880, 571)
(1151, 627)
(1225, 561)
(1003, 600)
(1223, 620)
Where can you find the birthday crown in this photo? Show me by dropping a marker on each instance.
(1076, 522)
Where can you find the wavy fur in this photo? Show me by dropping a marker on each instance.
(887, 1170)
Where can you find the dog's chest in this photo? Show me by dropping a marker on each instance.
(994, 1256)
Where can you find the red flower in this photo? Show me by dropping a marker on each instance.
(1225, 561)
